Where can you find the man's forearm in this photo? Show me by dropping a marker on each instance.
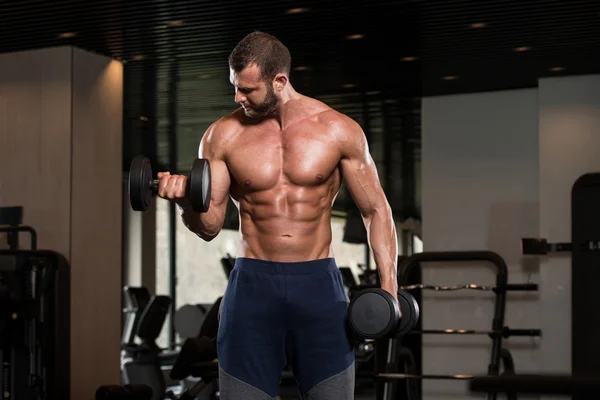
(383, 241)
(206, 225)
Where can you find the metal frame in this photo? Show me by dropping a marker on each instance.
(173, 213)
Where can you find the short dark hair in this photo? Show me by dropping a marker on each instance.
(267, 52)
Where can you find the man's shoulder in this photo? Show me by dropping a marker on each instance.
(324, 113)
(343, 130)
(229, 123)
(220, 133)
(225, 127)
(338, 123)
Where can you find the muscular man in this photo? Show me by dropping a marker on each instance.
(282, 157)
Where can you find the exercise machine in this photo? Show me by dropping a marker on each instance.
(136, 300)
(144, 363)
(195, 361)
(34, 317)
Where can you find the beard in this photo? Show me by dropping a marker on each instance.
(266, 107)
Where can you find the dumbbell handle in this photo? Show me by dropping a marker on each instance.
(154, 185)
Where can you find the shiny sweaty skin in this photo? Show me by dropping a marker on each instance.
(284, 171)
(284, 181)
(282, 158)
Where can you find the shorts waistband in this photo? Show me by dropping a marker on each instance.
(285, 268)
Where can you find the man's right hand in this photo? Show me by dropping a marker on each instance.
(173, 188)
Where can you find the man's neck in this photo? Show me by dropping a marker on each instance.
(282, 110)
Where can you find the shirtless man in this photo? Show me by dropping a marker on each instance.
(282, 157)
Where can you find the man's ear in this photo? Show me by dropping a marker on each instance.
(280, 81)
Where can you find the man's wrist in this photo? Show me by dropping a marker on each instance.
(389, 279)
(390, 286)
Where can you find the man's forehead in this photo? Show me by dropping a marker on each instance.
(250, 74)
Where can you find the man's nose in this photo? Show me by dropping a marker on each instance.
(239, 97)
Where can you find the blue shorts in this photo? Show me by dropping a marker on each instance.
(277, 314)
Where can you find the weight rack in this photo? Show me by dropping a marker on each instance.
(584, 250)
(498, 354)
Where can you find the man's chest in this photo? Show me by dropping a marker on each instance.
(260, 160)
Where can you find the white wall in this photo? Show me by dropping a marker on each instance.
(480, 191)
(497, 167)
(569, 119)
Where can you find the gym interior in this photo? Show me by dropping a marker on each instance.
(482, 118)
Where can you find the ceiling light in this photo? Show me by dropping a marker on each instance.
(522, 48)
(137, 58)
(355, 36)
(407, 59)
(67, 35)
(143, 118)
(478, 25)
(298, 10)
(301, 68)
(348, 85)
(175, 22)
(557, 69)
(450, 78)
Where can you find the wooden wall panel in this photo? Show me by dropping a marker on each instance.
(96, 222)
(35, 137)
(61, 159)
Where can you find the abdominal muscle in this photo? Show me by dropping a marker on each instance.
(284, 231)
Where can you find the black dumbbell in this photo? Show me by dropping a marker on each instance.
(142, 185)
(373, 314)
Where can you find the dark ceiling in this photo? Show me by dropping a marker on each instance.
(439, 33)
(350, 53)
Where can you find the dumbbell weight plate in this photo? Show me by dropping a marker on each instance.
(140, 178)
(373, 314)
(410, 314)
(200, 185)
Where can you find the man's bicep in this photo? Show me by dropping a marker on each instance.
(220, 183)
(360, 177)
(211, 150)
